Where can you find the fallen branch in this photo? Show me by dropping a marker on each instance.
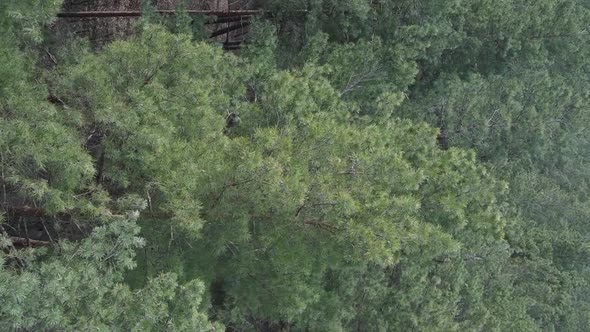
(137, 13)
(321, 225)
(228, 29)
(24, 242)
(230, 19)
(25, 211)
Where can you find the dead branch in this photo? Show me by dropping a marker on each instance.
(24, 242)
(25, 211)
(229, 19)
(137, 13)
(229, 29)
(321, 225)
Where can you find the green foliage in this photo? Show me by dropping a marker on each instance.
(301, 186)
(526, 117)
(139, 99)
(364, 165)
(80, 287)
(298, 174)
(25, 18)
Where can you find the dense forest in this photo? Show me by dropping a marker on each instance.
(355, 165)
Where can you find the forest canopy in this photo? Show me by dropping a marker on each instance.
(355, 166)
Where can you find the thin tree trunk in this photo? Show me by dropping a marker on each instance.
(137, 13)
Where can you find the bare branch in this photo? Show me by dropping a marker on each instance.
(24, 242)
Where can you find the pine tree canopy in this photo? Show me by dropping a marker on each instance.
(354, 166)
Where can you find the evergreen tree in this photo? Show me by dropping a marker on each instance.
(369, 166)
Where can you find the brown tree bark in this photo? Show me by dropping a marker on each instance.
(137, 13)
(20, 242)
